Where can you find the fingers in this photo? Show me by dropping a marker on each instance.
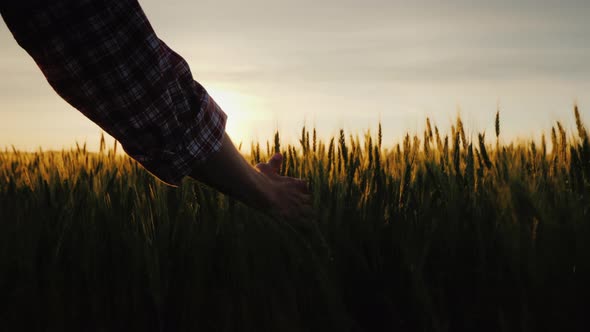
(275, 162)
(299, 184)
(265, 169)
(302, 185)
(301, 209)
(273, 166)
(292, 201)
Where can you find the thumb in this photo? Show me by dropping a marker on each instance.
(276, 161)
(265, 168)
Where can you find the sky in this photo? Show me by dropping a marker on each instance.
(345, 64)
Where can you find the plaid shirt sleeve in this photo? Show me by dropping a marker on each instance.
(103, 57)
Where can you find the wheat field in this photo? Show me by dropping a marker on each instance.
(438, 232)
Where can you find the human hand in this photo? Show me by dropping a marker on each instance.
(288, 198)
(260, 187)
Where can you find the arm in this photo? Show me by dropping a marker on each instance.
(260, 187)
(103, 58)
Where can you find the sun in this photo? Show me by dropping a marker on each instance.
(240, 109)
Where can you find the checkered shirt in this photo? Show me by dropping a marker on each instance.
(103, 58)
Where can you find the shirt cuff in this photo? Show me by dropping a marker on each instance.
(201, 139)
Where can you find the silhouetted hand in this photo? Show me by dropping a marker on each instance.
(259, 187)
(287, 198)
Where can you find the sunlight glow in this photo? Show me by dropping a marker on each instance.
(241, 109)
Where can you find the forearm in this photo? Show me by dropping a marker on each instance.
(228, 172)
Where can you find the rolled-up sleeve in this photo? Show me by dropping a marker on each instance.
(104, 58)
